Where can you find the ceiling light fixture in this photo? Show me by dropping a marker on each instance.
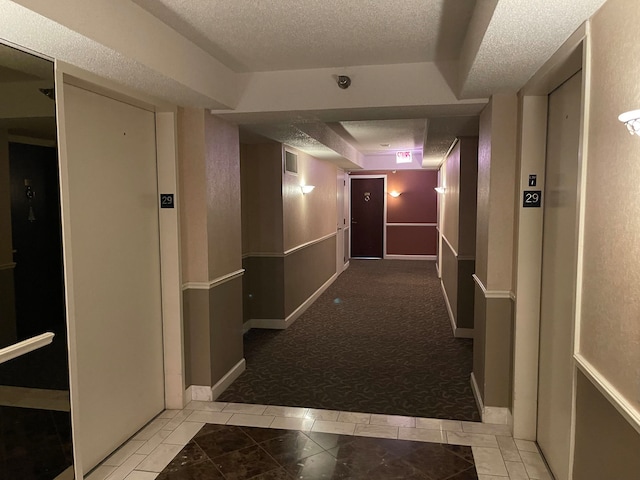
(440, 189)
(385, 144)
(307, 188)
(395, 194)
(632, 120)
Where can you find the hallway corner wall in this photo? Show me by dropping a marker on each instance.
(209, 162)
(493, 317)
(288, 238)
(459, 234)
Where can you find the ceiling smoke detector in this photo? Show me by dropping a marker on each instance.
(344, 81)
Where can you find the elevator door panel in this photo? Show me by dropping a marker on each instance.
(110, 202)
(558, 276)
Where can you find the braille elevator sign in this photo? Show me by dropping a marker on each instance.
(166, 200)
(532, 198)
(533, 180)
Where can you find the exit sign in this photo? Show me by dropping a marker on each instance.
(403, 157)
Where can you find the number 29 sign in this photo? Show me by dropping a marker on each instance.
(531, 198)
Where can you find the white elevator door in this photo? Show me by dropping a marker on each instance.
(114, 266)
(558, 276)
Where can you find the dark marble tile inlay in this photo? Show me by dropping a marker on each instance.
(221, 452)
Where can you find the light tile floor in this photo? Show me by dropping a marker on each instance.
(497, 456)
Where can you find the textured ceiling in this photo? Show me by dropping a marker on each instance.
(380, 136)
(479, 47)
(247, 35)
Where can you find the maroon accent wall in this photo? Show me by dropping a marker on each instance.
(407, 240)
(418, 203)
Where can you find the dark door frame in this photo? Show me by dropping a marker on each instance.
(384, 210)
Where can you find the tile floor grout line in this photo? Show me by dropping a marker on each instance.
(183, 415)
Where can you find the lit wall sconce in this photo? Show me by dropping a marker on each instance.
(632, 121)
(440, 189)
(395, 194)
(307, 188)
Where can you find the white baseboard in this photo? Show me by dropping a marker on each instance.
(228, 379)
(476, 393)
(458, 332)
(205, 393)
(495, 415)
(410, 257)
(283, 323)
(201, 393)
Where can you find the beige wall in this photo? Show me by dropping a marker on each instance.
(306, 270)
(468, 183)
(610, 330)
(459, 175)
(311, 216)
(261, 173)
(496, 190)
(451, 197)
(222, 155)
(210, 200)
(193, 195)
(493, 317)
(606, 445)
(277, 219)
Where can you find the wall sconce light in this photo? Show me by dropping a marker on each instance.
(632, 120)
(395, 194)
(440, 189)
(307, 188)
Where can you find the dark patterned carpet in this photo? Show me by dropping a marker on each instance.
(378, 340)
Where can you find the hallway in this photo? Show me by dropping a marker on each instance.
(378, 340)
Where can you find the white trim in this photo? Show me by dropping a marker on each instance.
(282, 324)
(411, 224)
(455, 253)
(476, 393)
(228, 378)
(25, 346)
(201, 393)
(492, 415)
(609, 391)
(497, 415)
(492, 293)
(308, 244)
(8, 266)
(204, 393)
(457, 331)
(409, 257)
(263, 254)
(213, 283)
(170, 262)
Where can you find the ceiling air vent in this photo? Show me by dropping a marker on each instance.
(290, 162)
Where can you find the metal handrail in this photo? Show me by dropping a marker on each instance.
(25, 346)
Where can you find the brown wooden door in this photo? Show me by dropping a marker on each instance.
(367, 217)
